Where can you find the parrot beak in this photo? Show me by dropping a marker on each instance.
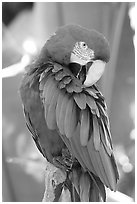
(95, 70)
(79, 71)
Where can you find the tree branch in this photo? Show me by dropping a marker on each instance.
(54, 189)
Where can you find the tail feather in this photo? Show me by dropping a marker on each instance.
(84, 187)
(88, 187)
(94, 194)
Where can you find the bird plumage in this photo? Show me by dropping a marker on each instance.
(62, 113)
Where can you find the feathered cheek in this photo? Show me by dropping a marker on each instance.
(95, 72)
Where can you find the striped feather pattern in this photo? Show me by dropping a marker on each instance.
(79, 114)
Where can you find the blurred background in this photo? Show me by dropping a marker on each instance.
(25, 28)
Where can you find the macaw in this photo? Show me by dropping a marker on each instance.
(67, 114)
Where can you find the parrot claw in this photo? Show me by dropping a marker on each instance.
(65, 161)
(61, 163)
(57, 161)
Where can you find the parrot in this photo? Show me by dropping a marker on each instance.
(67, 114)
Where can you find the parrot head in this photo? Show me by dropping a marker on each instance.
(85, 52)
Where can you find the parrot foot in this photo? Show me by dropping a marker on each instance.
(65, 161)
(62, 163)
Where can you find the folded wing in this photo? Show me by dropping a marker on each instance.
(79, 114)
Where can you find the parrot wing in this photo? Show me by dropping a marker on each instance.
(79, 115)
(33, 132)
(34, 112)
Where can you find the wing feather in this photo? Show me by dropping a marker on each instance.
(104, 138)
(58, 106)
(92, 104)
(70, 118)
(49, 90)
(106, 160)
(79, 116)
(92, 92)
(96, 133)
(84, 187)
(102, 110)
(45, 85)
(51, 113)
(69, 87)
(81, 151)
(95, 158)
(60, 75)
(33, 132)
(76, 151)
(73, 87)
(57, 68)
(84, 127)
(87, 160)
(66, 80)
(80, 99)
(62, 114)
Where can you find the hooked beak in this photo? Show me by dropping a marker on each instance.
(89, 73)
(78, 70)
(94, 72)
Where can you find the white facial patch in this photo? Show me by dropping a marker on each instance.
(77, 59)
(95, 72)
(81, 53)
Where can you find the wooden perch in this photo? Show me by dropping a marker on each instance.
(54, 190)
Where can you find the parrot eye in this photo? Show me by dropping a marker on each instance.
(83, 45)
(81, 53)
